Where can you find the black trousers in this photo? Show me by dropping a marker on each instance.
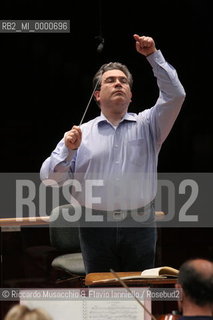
(119, 248)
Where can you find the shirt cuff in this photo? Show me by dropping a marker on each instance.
(156, 57)
(67, 154)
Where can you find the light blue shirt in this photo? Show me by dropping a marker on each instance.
(116, 167)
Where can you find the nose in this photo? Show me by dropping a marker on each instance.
(118, 83)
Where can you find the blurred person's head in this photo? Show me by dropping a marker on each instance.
(196, 281)
(21, 312)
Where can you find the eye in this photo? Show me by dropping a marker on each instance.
(124, 80)
(110, 80)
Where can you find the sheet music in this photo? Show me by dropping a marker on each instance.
(94, 304)
(113, 310)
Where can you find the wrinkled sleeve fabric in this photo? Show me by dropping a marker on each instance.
(60, 165)
(171, 97)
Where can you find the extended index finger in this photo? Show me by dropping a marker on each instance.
(136, 37)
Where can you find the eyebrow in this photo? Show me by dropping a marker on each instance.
(115, 77)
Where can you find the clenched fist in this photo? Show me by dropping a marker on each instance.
(144, 45)
(72, 138)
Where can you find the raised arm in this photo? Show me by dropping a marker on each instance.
(171, 92)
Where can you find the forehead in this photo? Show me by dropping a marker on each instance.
(113, 73)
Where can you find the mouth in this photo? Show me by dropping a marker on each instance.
(119, 92)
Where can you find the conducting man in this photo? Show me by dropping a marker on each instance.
(114, 159)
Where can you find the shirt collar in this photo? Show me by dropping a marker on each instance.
(127, 117)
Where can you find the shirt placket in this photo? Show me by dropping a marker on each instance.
(117, 158)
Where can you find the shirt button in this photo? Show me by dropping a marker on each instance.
(116, 145)
(117, 162)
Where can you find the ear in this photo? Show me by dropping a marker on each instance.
(178, 286)
(97, 95)
(180, 300)
(130, 100)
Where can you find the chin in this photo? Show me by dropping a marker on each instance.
(120, 101)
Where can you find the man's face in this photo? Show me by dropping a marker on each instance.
(115, 89)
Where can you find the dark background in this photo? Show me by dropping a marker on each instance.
(46, 78)
(46, 84)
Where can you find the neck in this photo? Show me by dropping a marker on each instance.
(114, 117)
(115, 120)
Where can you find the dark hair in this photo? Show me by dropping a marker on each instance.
(196, 285)
(111, 66)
